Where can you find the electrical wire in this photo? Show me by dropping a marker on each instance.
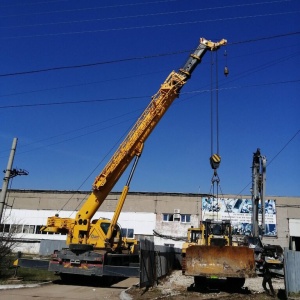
(91, 64)
(128, 77)
(147, 97)
(70, 102)
(144, 15)
(83, 84)
(278, 153)
(91, 8)
(33, 3)
(132, 112)
(136, 58)
(149, 26)
(144, 3)
(96, 167)
(76, 137)
(169, 237)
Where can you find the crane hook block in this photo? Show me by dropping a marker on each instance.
(215, 161)
(226, 71)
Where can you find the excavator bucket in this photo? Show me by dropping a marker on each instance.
(215, 261)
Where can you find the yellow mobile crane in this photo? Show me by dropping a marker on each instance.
(97, 246)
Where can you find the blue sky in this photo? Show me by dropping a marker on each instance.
(68, 121)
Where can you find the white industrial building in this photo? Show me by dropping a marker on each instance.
(161, 217)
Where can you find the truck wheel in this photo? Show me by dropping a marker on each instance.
(80, 247)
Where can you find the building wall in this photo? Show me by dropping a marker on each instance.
(143, 212)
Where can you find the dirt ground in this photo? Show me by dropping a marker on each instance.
(179, 287)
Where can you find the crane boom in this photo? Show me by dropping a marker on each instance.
(78, 229)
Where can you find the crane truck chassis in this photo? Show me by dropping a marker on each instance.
(96, 247)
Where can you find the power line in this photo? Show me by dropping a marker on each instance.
(82, 128)
(150, 26)
(262, 67)
(82, 84)
(265, 38)
(100, 162)
(90, 64)
(278, 153)
(145, 15)
(70, 102)
(92, 8)
(76, 137)
(127, 77)
(143, 97)
(135, 58)
(288, 142)
(132, 112)
(33, 3)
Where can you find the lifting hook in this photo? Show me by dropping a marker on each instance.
(215, 161)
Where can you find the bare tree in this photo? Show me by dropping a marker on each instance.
(8, 242)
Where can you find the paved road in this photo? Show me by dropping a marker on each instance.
(59, 291)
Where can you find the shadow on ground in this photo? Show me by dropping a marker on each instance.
(104, 281)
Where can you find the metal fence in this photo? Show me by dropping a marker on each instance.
(47, 247)
(156, 262)
(292, 272)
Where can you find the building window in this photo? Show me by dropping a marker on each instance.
(170, 245)
(37, 229)
(16, 228)
(172, 218)
(28, 229)
(6, 227)
(185, 218)
(168, 218)
(25, 228)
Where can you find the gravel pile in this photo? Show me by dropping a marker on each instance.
(178, 281)
(254, 284)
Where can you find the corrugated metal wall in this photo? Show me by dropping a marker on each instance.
(47, 247)
(156, 262)
(292, 272)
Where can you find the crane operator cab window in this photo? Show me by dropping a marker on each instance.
(104, 227)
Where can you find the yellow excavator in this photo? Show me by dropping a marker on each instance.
(96, 247)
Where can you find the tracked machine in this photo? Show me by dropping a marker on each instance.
(209, 253)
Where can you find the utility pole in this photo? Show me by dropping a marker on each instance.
(258, 191)
(9, 173)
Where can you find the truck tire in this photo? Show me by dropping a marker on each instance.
(80, 247)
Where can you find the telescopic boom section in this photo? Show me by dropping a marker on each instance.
(133, 143)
